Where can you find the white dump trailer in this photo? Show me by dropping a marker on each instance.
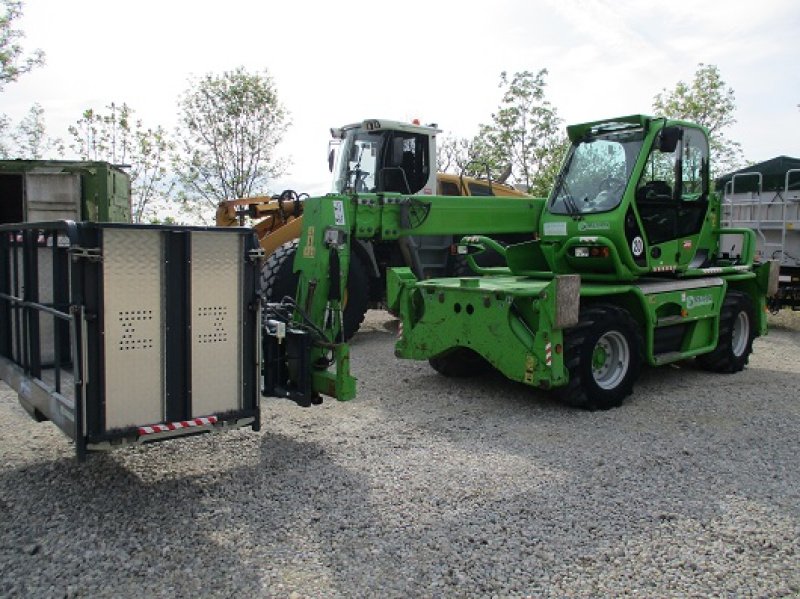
(765, 197)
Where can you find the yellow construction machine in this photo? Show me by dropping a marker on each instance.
(373, 156)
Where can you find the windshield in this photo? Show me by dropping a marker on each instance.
(595, 173)
(358, 156)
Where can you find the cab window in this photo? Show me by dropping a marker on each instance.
(448, 188)
(477, 189)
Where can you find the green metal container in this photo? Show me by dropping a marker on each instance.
(50, 190)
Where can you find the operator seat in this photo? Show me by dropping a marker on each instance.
(658, 191)
(394, 176)
(658, 211)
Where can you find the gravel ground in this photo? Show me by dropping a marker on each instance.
(426, 487)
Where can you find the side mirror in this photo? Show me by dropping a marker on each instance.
(669, 138)
(331, 156)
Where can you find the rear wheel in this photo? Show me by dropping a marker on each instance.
(602, 354)
(278, 281)
(736, 334)
(460, 363)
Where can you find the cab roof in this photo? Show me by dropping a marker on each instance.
(576, 132)
(388, 125)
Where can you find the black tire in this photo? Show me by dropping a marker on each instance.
(357, 298)
(460, 362)
(603, 356)
(278, 280)
(736, 334)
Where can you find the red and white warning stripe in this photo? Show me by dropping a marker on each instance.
(171, 426)
(548, 354)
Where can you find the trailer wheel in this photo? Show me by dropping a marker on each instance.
(736, 334)
(603, 356)
(278, 280)
(460, 362)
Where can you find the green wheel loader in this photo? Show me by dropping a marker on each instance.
(622, 267)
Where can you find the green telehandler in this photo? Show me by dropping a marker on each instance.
(622, 267)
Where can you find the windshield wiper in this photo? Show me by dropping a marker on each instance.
(569, 204)
(569, 201)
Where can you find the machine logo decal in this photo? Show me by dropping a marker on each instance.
(584, 226)
(637, 246)
(696, 301)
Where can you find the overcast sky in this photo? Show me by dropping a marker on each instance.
(339, 62)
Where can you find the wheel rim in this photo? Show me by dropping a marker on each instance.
(610, 360)
(741, 333)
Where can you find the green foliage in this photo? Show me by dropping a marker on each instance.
(525, 133)
(707, 101)
(12, 62)
(230, 125)
(118, 138)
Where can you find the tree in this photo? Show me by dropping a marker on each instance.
(229, 127)
(12, 62)
(12, 65)
(5, 149)
(118, 138)
(525, 133)
(31, 139)
(28, 139)
(453, 154)
(707, 101)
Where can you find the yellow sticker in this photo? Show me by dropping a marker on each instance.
(309, 251)
(530, 364)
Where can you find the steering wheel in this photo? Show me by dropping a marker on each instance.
(361, 184)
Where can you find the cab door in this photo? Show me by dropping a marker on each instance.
(672, 200)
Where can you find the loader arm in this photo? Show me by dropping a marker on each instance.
(307, 350)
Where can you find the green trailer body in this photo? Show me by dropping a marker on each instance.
(50, 190)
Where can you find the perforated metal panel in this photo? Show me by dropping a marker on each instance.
(133, 331)
(216, 318)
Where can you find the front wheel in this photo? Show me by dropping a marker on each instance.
(736, 334)
(603, 356)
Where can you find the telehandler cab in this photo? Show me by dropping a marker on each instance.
(622, 267)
